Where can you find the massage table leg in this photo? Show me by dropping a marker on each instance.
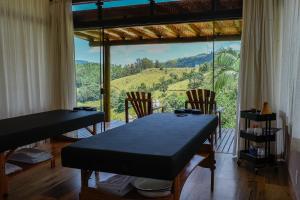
(3, 177)
(92, 131)
(52, 164)
(177, 188)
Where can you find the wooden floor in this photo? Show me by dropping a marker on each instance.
(225, 143)
(231, 183)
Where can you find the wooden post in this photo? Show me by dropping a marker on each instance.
(3, 177)
(107, 78)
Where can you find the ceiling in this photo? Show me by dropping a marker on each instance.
(167, 33)
(167, 22)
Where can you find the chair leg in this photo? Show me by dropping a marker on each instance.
(212, 169)
(212, 180)
(220, 127)
(216, 136)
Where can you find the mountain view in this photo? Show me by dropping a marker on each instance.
(167, 81)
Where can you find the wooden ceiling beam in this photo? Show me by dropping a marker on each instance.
(195, 28)
(178, 29)
(84, 36)
(154, 20)
(156, 30)
(169, 31)
(151, 31)
(94, 34)
(97, 37)
(117, 33)
(171, 40)
(129, 34)
(142, 33)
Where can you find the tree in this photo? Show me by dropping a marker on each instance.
(142, 88)
(195, 79)
(157, 64)
(173, 76)
(174, 101)
(121, 102)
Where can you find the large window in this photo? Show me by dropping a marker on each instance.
(165, 70)
(168, 70)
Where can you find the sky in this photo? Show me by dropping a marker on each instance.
(162, 52)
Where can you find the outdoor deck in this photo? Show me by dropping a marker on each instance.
(225, 144)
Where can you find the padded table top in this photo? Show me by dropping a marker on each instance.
(157, 146)
(23, 130)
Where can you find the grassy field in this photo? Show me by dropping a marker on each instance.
(148, 76)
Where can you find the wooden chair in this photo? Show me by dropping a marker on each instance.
(204, 100)
(141, 103)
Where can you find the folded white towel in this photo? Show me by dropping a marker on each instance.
(30, 156)
(11, 168)
(116, 184)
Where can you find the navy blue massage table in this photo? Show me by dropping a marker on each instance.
(19, 131)
(156, 146)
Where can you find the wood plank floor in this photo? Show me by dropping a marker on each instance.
(225, 143)
(231, 182)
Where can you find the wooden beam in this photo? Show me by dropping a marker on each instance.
(95, 34)
(107, 78)
(164, 31)
(195, 28)
(154, 30)
(112, 35)
(174, 30)
(149, 31)
(171, 40)
(130, 34)
(83, 36)
(142, 33)
(122, 34)
(154, 20)
(83, 1)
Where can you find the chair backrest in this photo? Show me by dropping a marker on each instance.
(141, 103)
(201, 99)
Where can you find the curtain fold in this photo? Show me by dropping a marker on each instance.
(36, 56)
(24, 84)
(290, 70)
(260, 57)
(62, 52)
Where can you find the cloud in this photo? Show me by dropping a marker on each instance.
(94, 50)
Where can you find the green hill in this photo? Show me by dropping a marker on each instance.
(148, 77)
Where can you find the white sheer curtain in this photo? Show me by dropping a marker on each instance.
(258, 81)
(31, 39)
(62, 52)
(24, 84)
(290, 71)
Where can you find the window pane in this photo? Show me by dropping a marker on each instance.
(227, 64)
(87, 74)
(165, 70)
